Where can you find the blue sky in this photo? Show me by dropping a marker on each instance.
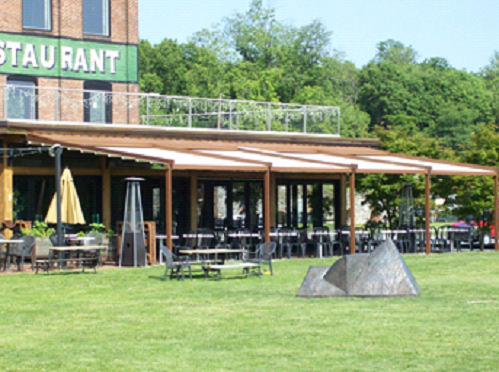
(465, 32)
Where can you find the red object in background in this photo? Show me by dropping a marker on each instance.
(474, 224)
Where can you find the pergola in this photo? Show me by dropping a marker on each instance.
(266, 158)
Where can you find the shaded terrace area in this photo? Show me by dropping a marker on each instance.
(266, 162)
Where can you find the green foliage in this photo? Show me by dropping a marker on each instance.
(474, 194)
(97, 228)
(382, 191)
(430, 96)
(39, 229)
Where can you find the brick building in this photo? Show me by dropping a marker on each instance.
(70, 46)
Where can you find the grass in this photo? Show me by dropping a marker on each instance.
(130, 320)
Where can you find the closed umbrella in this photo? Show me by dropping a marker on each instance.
(71, 212)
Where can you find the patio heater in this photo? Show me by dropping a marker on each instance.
(407, 214)
(133, 249)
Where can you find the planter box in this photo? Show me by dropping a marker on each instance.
(42, 247)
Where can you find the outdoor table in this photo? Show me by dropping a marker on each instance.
(215, 251)
(243, 235)
(83, 262)
(455, 230)
(83, 239)
(162, 237)
(274, 234)
(198, 235)
(8, 242)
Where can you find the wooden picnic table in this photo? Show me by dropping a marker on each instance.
(211, 251)
(246, 266)
(85, 262)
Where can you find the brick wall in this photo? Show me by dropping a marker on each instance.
(67, 22)
(3, 80)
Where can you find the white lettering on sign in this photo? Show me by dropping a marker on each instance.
(14, 48)
(49, 62)
(35, 56)
(80, 61)
(3, 56)
(30, 56)
(113, 55)
(97, 61)
(67, 58)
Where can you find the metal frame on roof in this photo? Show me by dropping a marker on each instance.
(259, 165)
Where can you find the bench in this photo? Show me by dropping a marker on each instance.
(246, 266)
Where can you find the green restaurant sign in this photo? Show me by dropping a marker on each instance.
(67, 58)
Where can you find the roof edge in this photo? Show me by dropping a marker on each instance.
(14, 127)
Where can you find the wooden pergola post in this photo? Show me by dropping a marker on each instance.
(352, 212)
(496, 214)
(427, 213)
(168, 206)
(266, 200)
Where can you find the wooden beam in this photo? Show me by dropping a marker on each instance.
(266, 200)
(427, 213)
(168, 207)
(496, 214)
(6, 190)
(352, 213)
(106, 193)
(343, 201)
(194, 202)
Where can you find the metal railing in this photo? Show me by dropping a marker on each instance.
(24, 102)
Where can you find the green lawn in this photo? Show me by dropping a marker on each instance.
(130, 320)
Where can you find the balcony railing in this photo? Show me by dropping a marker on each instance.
(24, 102)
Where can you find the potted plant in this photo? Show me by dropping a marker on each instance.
(41, 232)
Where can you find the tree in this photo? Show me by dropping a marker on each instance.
(396, 52)
(430, 96)
(475, 194)
(382, 191)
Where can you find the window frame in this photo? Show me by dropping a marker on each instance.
(106, 17)
(106, 88)
(48, 13)
(28, 79)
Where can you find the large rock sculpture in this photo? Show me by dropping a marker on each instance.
(382, 273)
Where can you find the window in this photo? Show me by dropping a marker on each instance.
(37, 14)
(96, 17)
(98, 104)
(21, 98)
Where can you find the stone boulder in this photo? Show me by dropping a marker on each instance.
(382, 273)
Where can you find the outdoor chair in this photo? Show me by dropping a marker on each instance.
(276, 238)
(289, 240)
(401, 239)
(361, 239)
(442, 241)
(264, 254)
(174, 263)
(20, 251)
(461, 236)
(54, 241)
(98, 239)
(322, 242)
(302, 242)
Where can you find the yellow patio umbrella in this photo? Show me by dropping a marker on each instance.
(71, 212)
